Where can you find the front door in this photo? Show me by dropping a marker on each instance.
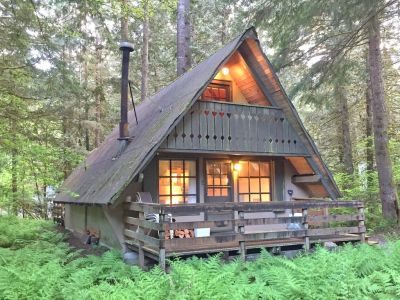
(219, 181)
(219, 188)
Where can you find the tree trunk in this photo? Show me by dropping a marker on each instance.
(346, 146)
(368, 134)
(85, 83)
(14, 180)
(387, 189)
(65, 146)
(144, 91)
(99, 94)
(183, 37)
(124, 20)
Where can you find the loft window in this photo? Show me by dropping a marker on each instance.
(218, 90)
(254, 181)
(177, 181)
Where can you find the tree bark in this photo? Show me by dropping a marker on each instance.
(14, 180)
(124, 21)
(99, 94)
(183, 37)
(387, 189)
(369, 134)
(87, 104)
(144, 91)
(346, 145)
(65, 146)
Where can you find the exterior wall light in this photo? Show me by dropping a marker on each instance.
(237, 167)
(225, 71)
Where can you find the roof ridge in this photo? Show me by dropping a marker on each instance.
(252, 28)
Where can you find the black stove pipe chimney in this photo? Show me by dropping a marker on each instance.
(126, 48)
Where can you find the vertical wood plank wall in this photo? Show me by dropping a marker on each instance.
(216, 126)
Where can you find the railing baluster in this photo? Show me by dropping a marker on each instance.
(305, 224)
(361, 223)
(141, 244)
(242, 245)
(161, 236)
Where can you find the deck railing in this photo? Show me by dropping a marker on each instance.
(233, 127)
(292, 223)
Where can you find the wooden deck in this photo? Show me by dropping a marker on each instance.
(256, 225)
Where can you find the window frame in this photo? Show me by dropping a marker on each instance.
(184, 177)
(229, 187)
(226, 84)
(259, 177)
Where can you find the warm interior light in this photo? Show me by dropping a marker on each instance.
(236, 167)
(225, 71)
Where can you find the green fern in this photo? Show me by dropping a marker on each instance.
(39, 265)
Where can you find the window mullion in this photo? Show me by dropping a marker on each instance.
(170, 182)
(184, 186)
(248, 175)
(259, 180)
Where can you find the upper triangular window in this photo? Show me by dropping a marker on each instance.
(235, 83)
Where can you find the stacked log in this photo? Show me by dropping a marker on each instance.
(180, 233)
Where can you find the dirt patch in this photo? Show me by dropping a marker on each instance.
(78, 243)
(384, 235)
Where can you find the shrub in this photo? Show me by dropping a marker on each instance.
(46, 268)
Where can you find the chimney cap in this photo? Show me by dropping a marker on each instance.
(126, 45)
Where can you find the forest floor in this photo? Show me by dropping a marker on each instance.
(78, 243)
(36, 262)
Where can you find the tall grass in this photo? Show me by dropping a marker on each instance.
(43, 267)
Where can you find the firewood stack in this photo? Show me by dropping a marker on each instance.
(180, 233)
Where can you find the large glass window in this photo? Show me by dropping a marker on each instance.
(177, 181)
(254, 181)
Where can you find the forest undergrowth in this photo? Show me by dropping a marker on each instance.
(36, 263)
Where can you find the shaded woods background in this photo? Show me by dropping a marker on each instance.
(60, 65)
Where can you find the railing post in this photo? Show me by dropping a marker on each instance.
(305, 224)
(242, 244)
(361, 223)
(141, 244)
(161, 237)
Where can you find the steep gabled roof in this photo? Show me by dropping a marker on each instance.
(103, 175)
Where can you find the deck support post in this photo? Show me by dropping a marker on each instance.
(161, 236)
(361, 223)
(141, 244)
(305, 224)
(242, 245)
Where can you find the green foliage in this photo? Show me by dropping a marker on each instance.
(14, 231)
(45, 268)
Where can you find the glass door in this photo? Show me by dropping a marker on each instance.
(219, 181)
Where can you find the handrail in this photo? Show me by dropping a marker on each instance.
(304, 228)
(240, 206)
(241, 104)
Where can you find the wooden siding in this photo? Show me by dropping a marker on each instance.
(243, 78)
(301, 165)
(225, 127)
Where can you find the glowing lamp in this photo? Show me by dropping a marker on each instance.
(225, 71)
(237, 167)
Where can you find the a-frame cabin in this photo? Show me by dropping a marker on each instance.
(219, 160)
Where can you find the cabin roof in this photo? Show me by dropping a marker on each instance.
(104, 174)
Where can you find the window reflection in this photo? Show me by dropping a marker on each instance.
(254, 179)
(218, 173)
(177, 181)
